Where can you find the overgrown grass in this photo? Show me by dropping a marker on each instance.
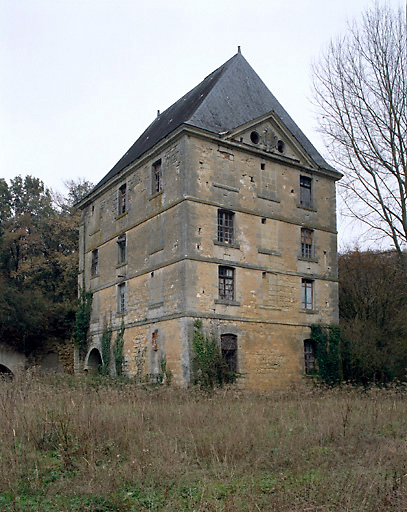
(99, 445)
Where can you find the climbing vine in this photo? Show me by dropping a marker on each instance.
(82, 319)
(118, 350)
(328, 341)
(209, 368)
(106, 343)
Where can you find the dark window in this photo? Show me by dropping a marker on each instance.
(306, 243)
(228, 345)
(157, 184)
(94, 268)
(305, 191)
(309, 356)
(121, 244)
(121, 298)
(307, 294)
(255, 137)
(122, 207)
(225, 226)
(226, 283)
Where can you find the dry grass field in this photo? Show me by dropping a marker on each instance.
(70, 444)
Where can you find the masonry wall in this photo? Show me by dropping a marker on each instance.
(173, 257)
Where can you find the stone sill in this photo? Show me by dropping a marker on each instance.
(310, 260)
(233, 245)
(156, 194)
(309, 209)
(227, 302)
(122, 215)
(310, 311)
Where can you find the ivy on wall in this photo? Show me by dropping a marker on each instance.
(82, 319)
(118, 350)
(327, 351)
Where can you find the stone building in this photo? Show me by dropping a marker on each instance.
(222, 211)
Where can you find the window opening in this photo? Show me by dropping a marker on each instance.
(94, 269)
(228, 345)
(255, 137)
(306, 243)
(226, 283)
(307, 294)
(121, 244)
(305, 191)
(225, 226)
(309, 356)
(157, 184)
(262, 166)
(280, 146)
(122, 200)
(122, 298)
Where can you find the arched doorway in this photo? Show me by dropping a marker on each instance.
(5, 372)
(94, 361)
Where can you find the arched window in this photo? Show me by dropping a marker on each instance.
(228, 345)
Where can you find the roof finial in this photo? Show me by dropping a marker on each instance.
(158, 113)
(238, 49)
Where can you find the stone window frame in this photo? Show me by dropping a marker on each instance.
(306, 192)
(156, 177)
(228, 347)
(307, 294)
(307, 243)
(226, 283)
(226, 226)
(310, 360)
(122, 249)
(121, 298)
(94, 265)
(122, 199)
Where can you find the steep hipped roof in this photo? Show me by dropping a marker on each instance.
(229, 97)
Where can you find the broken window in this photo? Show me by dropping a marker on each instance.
(94, 268)
(225, 226)
(157, 184)
(121, 244)
(228, 346)
(226, 283)
(309, 356)
(306, 243)
(305, 191)
(121, 298)
(307, 294)
(121, 204)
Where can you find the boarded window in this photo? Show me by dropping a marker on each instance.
(225, 226)
(121, 245)
(309, 356)
(226, 283)
(306, 243)
(307, 294)
(122, 206)
(305, 191)
(94, 268)
(157, 184)
(228, 345)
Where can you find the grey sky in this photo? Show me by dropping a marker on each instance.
(81, 79)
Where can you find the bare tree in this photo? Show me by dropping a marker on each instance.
(360, 86)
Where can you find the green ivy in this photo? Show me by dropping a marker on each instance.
(209, 368)
(328, 343)
(106, 344)
(118, 350)
(82, 319)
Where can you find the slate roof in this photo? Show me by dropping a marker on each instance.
(227, 98)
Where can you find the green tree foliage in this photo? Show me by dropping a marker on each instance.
(38, 262)
(210, 370)
(373, 316)
(82, 319)
(328, 340)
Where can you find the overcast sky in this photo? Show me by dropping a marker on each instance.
(80, 80)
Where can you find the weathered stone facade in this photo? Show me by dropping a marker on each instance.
(236, 228)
